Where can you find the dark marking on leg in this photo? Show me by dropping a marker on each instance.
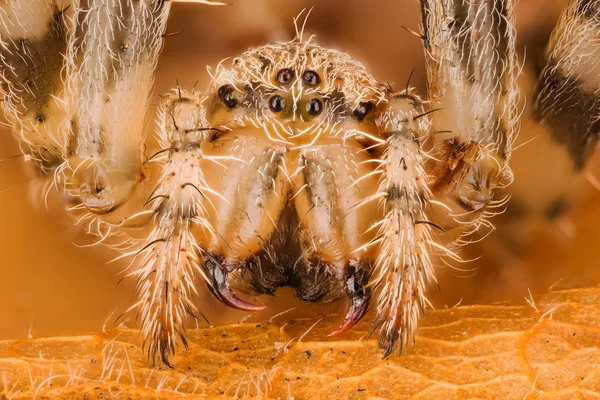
(590, 9)
(570, 113)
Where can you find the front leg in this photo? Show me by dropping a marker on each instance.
(113, 52)
(407, 242)
(472, 70)
(34, 39)
(168, 264)
(77, 77)
(441, 176)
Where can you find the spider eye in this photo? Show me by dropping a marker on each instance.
(362, 110)
(284, 76)
(227, 97)
(277, 103)
(314, 107)
(311, 78)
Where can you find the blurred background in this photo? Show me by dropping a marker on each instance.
(51, 285)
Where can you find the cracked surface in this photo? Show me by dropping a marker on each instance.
(547, 348)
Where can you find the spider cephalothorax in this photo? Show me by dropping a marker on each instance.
(294, 168)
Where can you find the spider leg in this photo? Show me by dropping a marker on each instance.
(404, 266)
(112, 54)
(472, 70)
(33, 40)
(441, 174)
(169, 262)
(562, 124)
(77, 78)
(568, 93)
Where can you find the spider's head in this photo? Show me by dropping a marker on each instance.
(294, 86)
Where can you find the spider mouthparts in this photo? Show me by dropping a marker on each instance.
(360, 305)
(360, 295)
(229, 298)
(220, 288)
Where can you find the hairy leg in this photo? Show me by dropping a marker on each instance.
(472, 71)
(77, 77)
(403, 270)
(34, 37)
(568, 98)
(168, 263)
(113, 52)
(560, 127)
(440, 179)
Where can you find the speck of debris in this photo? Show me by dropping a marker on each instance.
(362, 390)
(236, 348)
(308, 353)
(573, 333)
(343, 352)
(93, 361)
(258, 326)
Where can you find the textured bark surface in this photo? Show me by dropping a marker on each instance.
(543, 348)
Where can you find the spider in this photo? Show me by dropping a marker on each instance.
(295, 167)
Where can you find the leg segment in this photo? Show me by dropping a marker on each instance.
(403, 270)
(33, 35)
(111, 59)
(444, 179)
(472, 70)
(77, 77)
(565, 118)
(568, 98)
(169, 262)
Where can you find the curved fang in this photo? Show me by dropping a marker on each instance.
(360, 295)
(220, 288)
